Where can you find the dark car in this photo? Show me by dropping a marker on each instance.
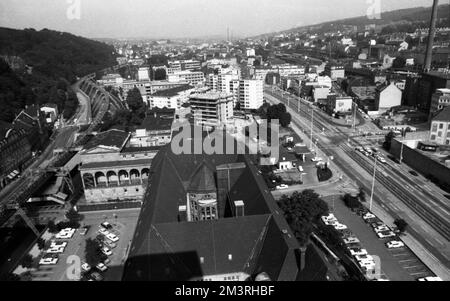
(413, 173)
(96, 276)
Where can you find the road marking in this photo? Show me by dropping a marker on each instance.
(419, 273)
(407, 260)
(412, 267)
(402, 254)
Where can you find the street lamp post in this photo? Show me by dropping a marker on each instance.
(312, 124)
(373, 183)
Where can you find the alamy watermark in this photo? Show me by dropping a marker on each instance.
(374, 9)
(74, 10)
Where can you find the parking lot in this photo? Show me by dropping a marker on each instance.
(396, 264)
(123, 222)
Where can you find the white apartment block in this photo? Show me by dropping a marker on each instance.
(251, 94)
(192, 77)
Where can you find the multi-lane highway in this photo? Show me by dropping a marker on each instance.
(430, 207)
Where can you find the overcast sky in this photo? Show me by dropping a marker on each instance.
(183, 18)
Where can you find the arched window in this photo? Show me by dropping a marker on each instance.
(88, 180)
(100, 179)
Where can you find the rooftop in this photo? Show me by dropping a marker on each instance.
(115, 139)
(173, 91)
(165, 248)
(444, 115)
(112, 164)
(158, 119)
(211, 95)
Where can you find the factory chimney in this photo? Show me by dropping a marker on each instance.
(431, 34)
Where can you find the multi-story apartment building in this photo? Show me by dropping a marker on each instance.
(183, 65)
(251, 94)
(335, 71)
(212, 109)
(172, 98)
(440, 127)
(192, 77)
(439, 101)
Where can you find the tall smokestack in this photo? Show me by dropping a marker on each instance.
(431, 34)
(228, 34)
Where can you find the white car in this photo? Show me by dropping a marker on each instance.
(316, 159)
(351, 240)
(394, 244)
(48, 261)
(368, 265)
(55, 250)
(103, 231)
(106, 251)
(339, 226)
(386, 234)
(358, 252)
(112, 237)
(85, 267)
(282, 186)
(381, 228)
(300, 169)
(430, 279)
(65, 233)
(366, 257)
(58, 244)
(368, 215)
(101, 267)
(329, 219)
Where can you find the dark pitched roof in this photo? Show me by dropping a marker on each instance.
(165, 249)
(443, 115)
(173, 91)
(113, 138)
(158, 119)
(202, 179)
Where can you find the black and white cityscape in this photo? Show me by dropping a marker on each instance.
(224, 140)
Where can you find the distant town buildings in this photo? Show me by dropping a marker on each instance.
(440, 127)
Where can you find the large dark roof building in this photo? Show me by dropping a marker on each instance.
(212, 217)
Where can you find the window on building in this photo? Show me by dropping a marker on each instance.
(434, 127)
(439, 134)
(441, 126)
(433, 137)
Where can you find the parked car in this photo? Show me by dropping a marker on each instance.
(85, 267)
(109, 244)
(316, 159)
(382, 228)
(65, 233)
(103, 231)
(394, 244)
(84, 230)
(385, 234)
(368, 215)
(358, 252)
(106, 225)
(96, 276)
(282, 186)
(339, 226)
(49, 259)
(365, 257)
(112, 237)
(351, 240)
(106, 251)
(430, 279)
(101, 267)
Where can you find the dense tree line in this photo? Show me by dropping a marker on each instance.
(49, 62)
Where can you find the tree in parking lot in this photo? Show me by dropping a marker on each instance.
(52, 228)
(351, 201)
(401, 224)
(73, 216)
(27, 261)
(361, 194)
(41, 244)
(303, 210)
(93, 252)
